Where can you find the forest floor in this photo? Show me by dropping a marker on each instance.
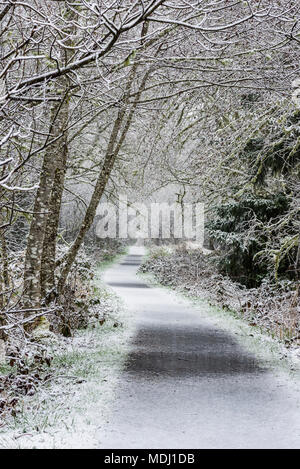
(162, 371)
(68, 409)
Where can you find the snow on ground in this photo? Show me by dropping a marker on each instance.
(70, 412)
(75, 410)
(197, 377)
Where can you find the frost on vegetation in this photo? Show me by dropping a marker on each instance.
(86, 367)
(49, 385)
(273, 307)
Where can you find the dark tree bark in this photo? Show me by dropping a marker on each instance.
(35, 242)
(48, 261)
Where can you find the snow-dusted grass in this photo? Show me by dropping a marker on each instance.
(70, 410)
(272, 307)
(105, 264)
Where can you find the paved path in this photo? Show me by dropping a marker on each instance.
(188, 384)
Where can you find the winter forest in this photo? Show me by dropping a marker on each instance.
(168, 102)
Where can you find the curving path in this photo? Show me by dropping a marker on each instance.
(188, 384)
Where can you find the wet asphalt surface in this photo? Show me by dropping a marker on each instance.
(189, 384)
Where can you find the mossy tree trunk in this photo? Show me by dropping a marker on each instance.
(41, 246)
(118, 134)
(35, 241)
(48, 261)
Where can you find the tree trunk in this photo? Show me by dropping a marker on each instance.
(47, 276)
(112, 151)
(41, 246)
(96, 196)
(32, 269)
(4, 258)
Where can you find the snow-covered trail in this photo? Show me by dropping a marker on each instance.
(189, 384)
